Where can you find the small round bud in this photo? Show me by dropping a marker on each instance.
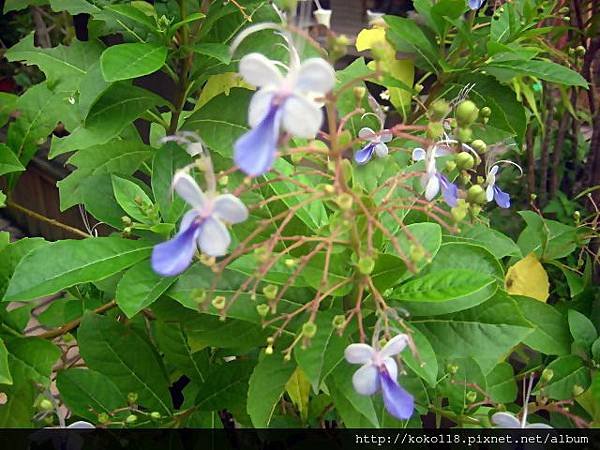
(287, 357)
(103, 418)
(155, 415)
(138, 200)
(577, 390)
(270, 291)
(480, 179)
(452, 368)
(418, 88)
(49, 420)
(485, 112)
(365, 265)
(223, 180)
(126, 220)
(344, 201)
(458, 213)
(131, 419)
(471, 396)
(270, 340)
(577, 216)
(547, 374)
(450, 166)
(580, 50)
(45, 405)
(439, 109)
(132, 398)
(479, 146)
(262, 310)
(466, 112)
(309, 329)
(564, 10)
(338, 321)
(476, 194)
(566, 19)
(464, 160)
(269, 350)
(435, 130)
(464, 134)
(198, 295)
(359, 93)
(218, 302)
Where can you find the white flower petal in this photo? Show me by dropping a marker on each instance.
(505, 420)
(81, 424)
(259, 106)
(441, 151)
(366, 380)
(230, 208)
(418, 154)
(394, 346)
(315, 75)
(259, 70)
(214, 238)
(359, 353)
(392, 367)
(489, 192)
(301, 117)
(381, 150)
(386, 136)
(493, 171)
(367, 134)
(188, 189)
(432, 187)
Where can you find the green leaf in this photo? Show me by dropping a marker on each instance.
(11, 255)
(132, 13)
(596, 350)
(339, 271)
(492, 240)
(2, 199)
(128, 194)
(167, 160)
(551, 333)
(113, 111)
(487, 333)
(140, 287)
(462, 255)
(8, 104)
(501, 384)
(128, 359)
(445, 291)
(172, 340)
(569, 371)
(545, 70)
(63, 264)
(425, 365)
(126, 61)
(298, 388)
(31, 358)
(88, 393)
(548, 239)
(16, 5)
(406, 36)
(266, 387)
(121, 157)
(205, 330)
(8, 161)
(215, 50)
(222, 120)
(582, 329)
(427, 235)
(5, 377)
(456, 386)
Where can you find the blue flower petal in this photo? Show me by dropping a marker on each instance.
(255, 150)
(174, 256)
(475, 4)
(398, 402)
(502, 198)
(449, 191)
(365, 154)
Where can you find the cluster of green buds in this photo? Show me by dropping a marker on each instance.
(147, 209)
(436, 113)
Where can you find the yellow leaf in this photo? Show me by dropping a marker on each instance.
(219, 84)
(528, 277)
(298, 388)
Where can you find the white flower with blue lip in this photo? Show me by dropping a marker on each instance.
(433, 181)
(202, 227)
(281, 102)
(379, 371)
(492, 191)
(376, 144)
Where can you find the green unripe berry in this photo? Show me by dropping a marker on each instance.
(262, 310)
(132, 398)
(270, 291)
(290, 262)
(344, 201)
(269, 350)
(471, 396)
(475, 210)
(418, 88)
(485, 112)
(450, 166)
(131, 419)
(452, 369)
(155, 415)
(365, 265)
(359, 93)
(435, 130)
(466, 112)
(309, 329)
(439, 109)
(45, 405)
(547, 374)
(476, 194)
(218, 302)
(580, 50)
(223, 180)
(464, 160)
(458, 213)
(479, 146)
(464, 134)
(338, 321)
(103, 418)
(49, 420)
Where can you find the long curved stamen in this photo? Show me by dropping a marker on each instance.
(506, 161)
(379, 119)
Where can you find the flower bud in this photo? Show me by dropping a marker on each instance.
(464, 134)
(338, 321)
(580, 50)
(218, 302)
(155, 415)
(471, 396)
(547, 374)
(480, 179)
(485, 112)
(359, 93)
(45, 405)
(466, 112)
(452, 368)
(198, 295)
(439, 109)
(475, 210)
(344, 201)
(476, 194)
(269, 350)
(223, 180)
(290, 262)
(450, 166)
(103, 418)
(459, 213)
(132, 398)
(309, 329)
(131, 419)
(270, 291)
(365, 265)
(435, 130)
(126, 220)
(479, 146)
(464, 160)
(577, 390)
(262, 310)
(418, 88)
(564, 10)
